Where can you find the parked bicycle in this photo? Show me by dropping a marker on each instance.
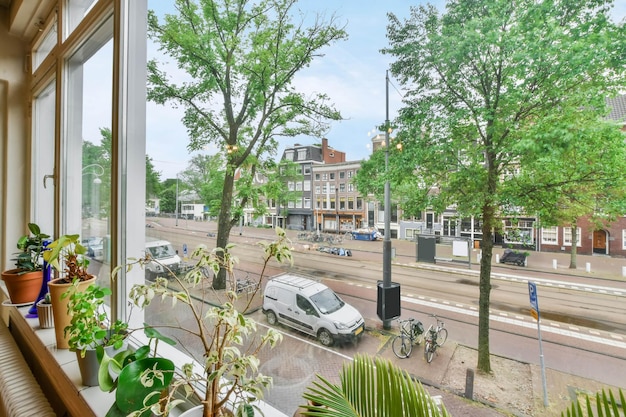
(436, 336)
(411, 331)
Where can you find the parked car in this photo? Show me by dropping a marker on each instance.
(312, 308)
(95, 247)
(163, 257)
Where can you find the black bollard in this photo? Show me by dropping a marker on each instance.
(469, 384)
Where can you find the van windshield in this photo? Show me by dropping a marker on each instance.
(160, 252)
(327, 301)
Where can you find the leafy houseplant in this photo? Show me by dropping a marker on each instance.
(67, 256)
(91, 328)
(224, 378)
(24, 282)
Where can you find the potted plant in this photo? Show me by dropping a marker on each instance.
(24, 282)
(68, 257)
(224, 379)
(90, 328)
(44, 312)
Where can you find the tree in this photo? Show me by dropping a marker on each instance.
(153, 179)
(241, 58)
(561, 192)
(480, 77)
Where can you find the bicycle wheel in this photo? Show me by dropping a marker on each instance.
(429, 351)
(401, 346)
(442, 336)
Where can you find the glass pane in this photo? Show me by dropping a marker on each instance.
(45, 47)
(88, 152)
(76, 10)
(42, 158)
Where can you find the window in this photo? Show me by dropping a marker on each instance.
(342, 203)
(298, 186)
(298, 203)
(359, 203)
(307, 203)
(44, 47)
(324, 189)
(317, 189)
(350, 174)
(75, 13)
(307, 186)
(332, 175)
(324, 177)
(350, 187)
(317, 177)
(567, 236)
(290, 185)
(307, 170)
(342, 175)
(623, 238)
(350, 203)
(332, 188)
(332, 203)
(409, 233)
(301, 154)
(289, 156)
(550, 235)
(342, 187)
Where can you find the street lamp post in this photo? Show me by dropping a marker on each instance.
(176, 211)
(387, 237)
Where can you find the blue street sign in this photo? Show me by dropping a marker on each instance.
(532, 293)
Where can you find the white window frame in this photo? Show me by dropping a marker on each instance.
(550, 235)
(567, 237)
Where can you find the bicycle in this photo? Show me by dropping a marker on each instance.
(436, 336)
(411, 331)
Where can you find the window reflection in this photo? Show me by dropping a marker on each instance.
(76, 10)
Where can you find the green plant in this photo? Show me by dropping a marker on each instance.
(227, 374)
(31, 247)
(90, 325)
(68, 249)
(370, 387)
(606, 405)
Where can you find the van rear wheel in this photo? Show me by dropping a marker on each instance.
(271, 318)
(325, 337)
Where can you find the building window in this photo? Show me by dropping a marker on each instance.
(298, 186)
(342, 175)
(520, 232)
(550, 235)
(307, 170)
(324, 177)
(342, 203)
(359, 203)
(409, 233)
(298, 203)
(332, 175)
(290, 185)
(317, 177)
(350, 203)
(307, 186)
(567, 236)
(332, 188)
(301, 154)
(350, 187)
(289, 155)
(350, 174)
(342, 187)
(324, 189)
(317, 189)
(623, 238)
(332, 204)
(291, 204)
(307, 203)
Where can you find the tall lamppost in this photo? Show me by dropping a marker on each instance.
(176, 210)
(388, 293)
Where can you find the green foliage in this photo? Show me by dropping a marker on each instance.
(492, 88)
(68, 249)
(90, 325)
(31, 247)
(227, 371)
(241, 58)
(606, 405)
(370, 387)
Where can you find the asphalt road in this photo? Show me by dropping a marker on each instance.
(583, 330)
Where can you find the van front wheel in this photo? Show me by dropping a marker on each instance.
(325, 337)
(271, 318)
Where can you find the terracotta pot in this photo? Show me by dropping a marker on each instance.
(44, 312)
(59, 307)
(24, 287)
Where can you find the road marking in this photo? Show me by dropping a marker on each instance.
(573, 331)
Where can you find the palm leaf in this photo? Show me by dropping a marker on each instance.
(370, 387)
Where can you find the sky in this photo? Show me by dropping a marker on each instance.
(351, 73)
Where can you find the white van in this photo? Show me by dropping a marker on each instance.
(311, 307)
(164, 255)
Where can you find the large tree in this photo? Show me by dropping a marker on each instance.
(241, 58)
(478, 77)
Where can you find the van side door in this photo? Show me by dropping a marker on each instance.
(306, 315)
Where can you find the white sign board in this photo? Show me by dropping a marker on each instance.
(460, 248)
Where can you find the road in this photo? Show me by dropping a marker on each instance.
(582, 327)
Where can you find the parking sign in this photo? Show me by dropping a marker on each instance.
(534, 304)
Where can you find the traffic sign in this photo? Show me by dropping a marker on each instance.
(534, 303)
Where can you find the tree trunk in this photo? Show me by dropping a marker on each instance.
(484, 356)
(224, 224)
(572, 258)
